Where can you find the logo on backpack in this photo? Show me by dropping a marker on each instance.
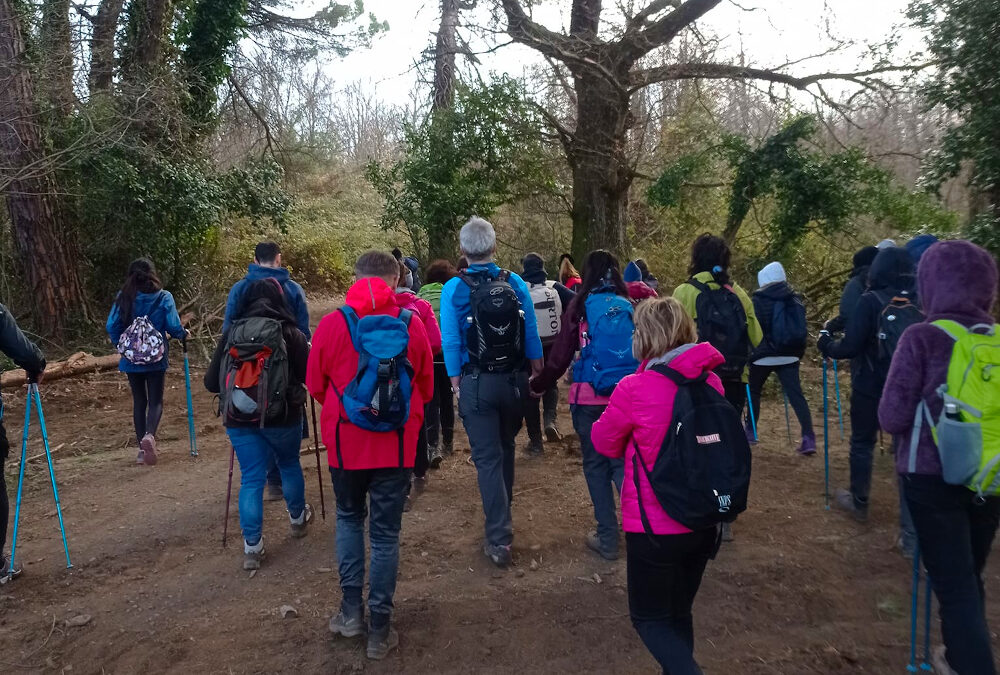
(968, 431)
(722, 322)
(141, 344)
(495, 330)
(606, 352)
(548, 311)
(254, 373)
(899, 313)
(378, 398)
(701, 475)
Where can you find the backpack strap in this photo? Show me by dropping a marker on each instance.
(504, 276)
(676, 377)
(636, 461)
(952, 329)
(401, 432)
(701, 286)
(351, 319)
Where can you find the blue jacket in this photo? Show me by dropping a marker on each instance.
(162, 313)
(455, 313)
(294, 295)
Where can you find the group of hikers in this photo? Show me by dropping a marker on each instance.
(664, 396)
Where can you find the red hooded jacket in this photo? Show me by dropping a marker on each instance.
(333, 363)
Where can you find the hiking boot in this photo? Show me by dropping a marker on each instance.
(252, 555)
(436, 457)
(299, 524)
(552, 434)
(498, 555)
(727, 532)
(845, 501)
(349, 622)
(419, 485)
(140, 458)
(148, 447)
(594, 544)
(448, 448)
(8, 571)
(751, 436)
(534, 448)
(381, 641)
(940, 661)
(808, 445)
(273, 493)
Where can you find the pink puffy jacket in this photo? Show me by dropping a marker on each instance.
(640, 409)
(425, 312)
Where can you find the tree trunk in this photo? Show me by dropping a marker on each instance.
(43, 242)
(102, 45)
(442, 244)
(601, 173)
(444, 55)
(55, 38)
(148, 22)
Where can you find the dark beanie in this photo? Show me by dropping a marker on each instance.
(533, 262)
(865, 257)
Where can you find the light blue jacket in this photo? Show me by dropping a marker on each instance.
(162, 313)
(455, 311)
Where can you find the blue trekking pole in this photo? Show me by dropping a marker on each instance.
(190, 405)
(36, 398)
(840, 411)
(788, 421)
(753, 422)
(914, 608)
(926, 665)
(826, 439)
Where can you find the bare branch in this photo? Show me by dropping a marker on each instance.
(653, 8)
(637, 44)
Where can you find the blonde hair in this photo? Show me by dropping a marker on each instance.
(661, 325)
(566, 270)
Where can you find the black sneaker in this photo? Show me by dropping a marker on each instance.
(498, 555)
(349, 623)
(552, 434)
(381, 641)
(8, 571)
(534, 448)
(845, 501)
(436, 457)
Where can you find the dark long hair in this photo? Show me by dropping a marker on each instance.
(140, 278)
(265, 297)
(711, 254)
(599, 269)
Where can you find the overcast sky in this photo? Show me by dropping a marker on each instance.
(775, 32)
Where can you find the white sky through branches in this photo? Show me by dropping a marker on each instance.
(773, 33)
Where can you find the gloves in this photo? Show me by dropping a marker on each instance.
(823, 344)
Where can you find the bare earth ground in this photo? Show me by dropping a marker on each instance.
(800, 591)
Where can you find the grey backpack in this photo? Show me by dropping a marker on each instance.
(254, 374)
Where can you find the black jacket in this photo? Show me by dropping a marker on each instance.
(764, 300)
(20, 349)
(891, 274)
(853, 290)
(298, 358)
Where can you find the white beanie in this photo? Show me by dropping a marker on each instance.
(772, 273)
(885, 243)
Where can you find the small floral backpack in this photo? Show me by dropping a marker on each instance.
(141, 344)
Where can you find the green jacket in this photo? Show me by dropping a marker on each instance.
(687, 295)
(432, 294)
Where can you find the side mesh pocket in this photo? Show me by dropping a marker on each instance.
(960, 445)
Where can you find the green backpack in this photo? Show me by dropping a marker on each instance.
(968, 432)
(432, 294)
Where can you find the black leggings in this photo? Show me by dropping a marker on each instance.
(4, 503)
(147, 401)
(788, 375)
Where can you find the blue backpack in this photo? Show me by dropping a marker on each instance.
(606, 356)
(378, 398)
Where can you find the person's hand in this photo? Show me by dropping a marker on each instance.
(823, 343)
(531, 389)
(36, 378)
(456, 386)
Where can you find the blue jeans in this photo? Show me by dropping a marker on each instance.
(384, 492)
(254, 449)
(601, 474)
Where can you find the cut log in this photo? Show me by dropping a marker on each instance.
(77, 364)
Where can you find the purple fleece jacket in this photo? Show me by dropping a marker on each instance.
(956, 280)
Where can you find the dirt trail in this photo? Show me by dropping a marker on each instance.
(800, 591)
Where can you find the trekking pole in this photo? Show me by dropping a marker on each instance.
(753, 422)
(788, 421)
(187, 384)
(35, 398)
(925, 665)
(826, 439)
(229, 492)
(914, 608)
(836, 387)
(319, 471)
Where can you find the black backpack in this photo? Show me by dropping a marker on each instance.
(722, 322)
(898, 313)
(789, 330)
(495, 332)
(701, 476)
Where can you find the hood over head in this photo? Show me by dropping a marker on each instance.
(958, 278)
(892, 269)
(772, 273)
(919, 245)
(690, 360)
(632, 272)
(371, 295)
(863, 259)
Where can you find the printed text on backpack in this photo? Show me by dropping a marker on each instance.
(548, 310)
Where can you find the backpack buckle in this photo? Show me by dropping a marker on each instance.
(384, 369)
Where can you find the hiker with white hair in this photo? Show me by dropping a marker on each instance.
(489, 338)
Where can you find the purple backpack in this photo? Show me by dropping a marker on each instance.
(141, 344)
